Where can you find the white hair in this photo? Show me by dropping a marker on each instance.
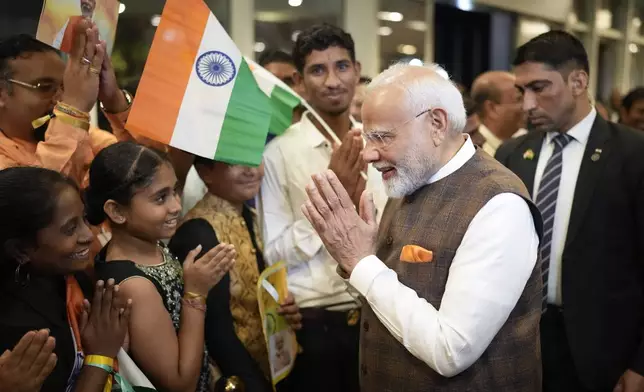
(427, 87)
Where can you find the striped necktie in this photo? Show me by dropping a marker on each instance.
(547, 203)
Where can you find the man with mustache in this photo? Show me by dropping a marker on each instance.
(326, 65)
(586, 175)
(65, 37)
(450, 277)
(32, 76)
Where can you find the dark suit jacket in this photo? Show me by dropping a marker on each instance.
(603, 258)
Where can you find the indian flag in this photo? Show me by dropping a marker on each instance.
(197, 92)
(283, 98)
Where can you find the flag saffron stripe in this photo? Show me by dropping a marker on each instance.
(168, 69)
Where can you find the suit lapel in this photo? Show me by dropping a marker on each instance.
(37, 299)
(525, 160)
(594, 160)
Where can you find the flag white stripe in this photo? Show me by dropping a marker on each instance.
(204, 106)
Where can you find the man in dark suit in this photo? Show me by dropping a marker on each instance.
(586, 176)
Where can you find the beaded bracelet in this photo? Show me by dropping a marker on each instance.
(72, 111)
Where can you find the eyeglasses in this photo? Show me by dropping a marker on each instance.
(384, 138)
(41, 87)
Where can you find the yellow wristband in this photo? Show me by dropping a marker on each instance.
(99, 360)
(69, 120)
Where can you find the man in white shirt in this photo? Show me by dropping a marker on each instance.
(499, 108)
(587, 177)
(452, 288)
(325, 60)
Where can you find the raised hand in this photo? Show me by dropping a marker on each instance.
(27, 366)
(81, 78)
(109, 92)
(347, 164)
(204, 273)
(104, 324)
(347, 236)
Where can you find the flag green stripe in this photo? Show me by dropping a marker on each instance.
(283, 104)
(246, 123)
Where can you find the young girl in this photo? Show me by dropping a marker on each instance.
(135, 189)
(44, 249)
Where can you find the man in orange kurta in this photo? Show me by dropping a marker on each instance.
(31, 78)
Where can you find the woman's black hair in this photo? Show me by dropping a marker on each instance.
(28, 198)
(117, 173)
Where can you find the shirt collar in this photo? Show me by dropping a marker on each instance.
(313, 136)
(581, 131)
(463, 155)
(490, 138)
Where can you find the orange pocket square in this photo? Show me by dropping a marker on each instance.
(416, 254)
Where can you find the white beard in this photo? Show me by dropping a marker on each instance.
(412, 172)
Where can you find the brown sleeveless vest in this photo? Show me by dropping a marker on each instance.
(436, 217)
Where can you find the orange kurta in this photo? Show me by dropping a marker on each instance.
(66, 149)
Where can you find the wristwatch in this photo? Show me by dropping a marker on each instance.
(128, 99)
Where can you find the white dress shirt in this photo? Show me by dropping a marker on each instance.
(492, 142)
(486, 279)
(572, 155)
(290, 160)
(193, 191)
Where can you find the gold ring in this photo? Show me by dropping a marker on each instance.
(94, 70)
(86, 61)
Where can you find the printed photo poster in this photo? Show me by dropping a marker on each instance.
(280, 338)
(58, 18)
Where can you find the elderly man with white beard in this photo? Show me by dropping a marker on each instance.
(450, 278)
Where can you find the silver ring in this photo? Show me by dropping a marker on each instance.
(86, 61)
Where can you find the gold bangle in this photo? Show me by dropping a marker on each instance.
(191, 294)
(73, 121)
(72, 111)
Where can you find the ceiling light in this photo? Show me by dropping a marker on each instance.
(416, 62)
(417, 25)
(385, 31)
(390, 16)
(295, 34)
(465, 5)
(604, 19)
(121, 8)
(409, 50)
(637, 23)
(259, 47)
(295, 3)
(155, 20)
(633, 48)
